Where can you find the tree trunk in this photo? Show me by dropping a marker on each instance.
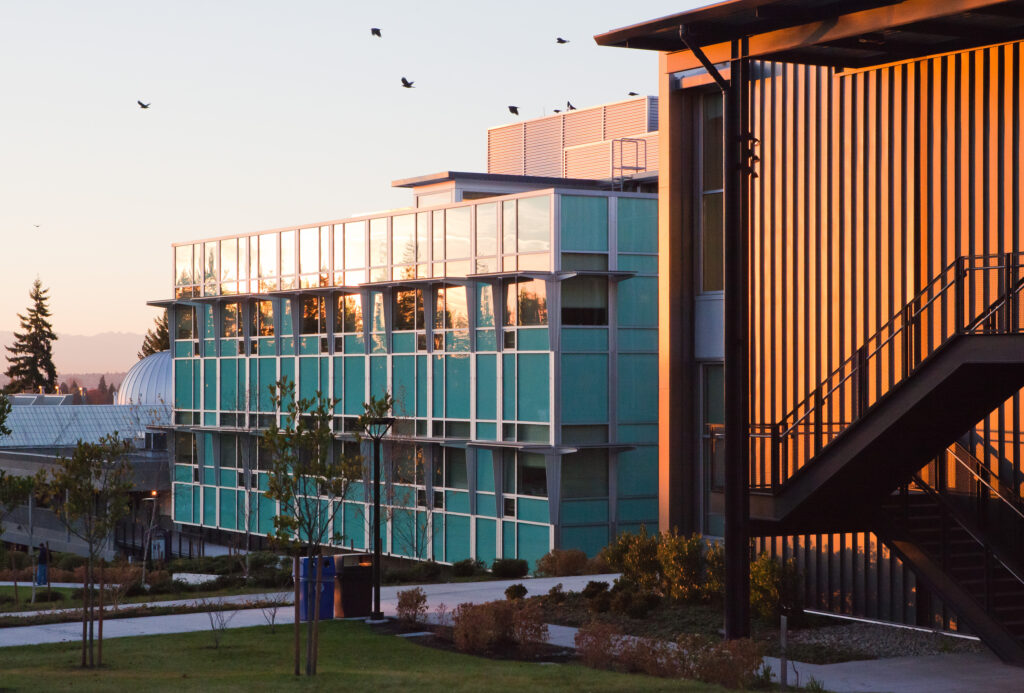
(85, 618)
(295, 568)
(99, 651)
(92, 614)
(310, 614)
(314, 641)
(14, 572)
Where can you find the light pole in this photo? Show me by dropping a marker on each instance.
(149, 532)
(377, 427)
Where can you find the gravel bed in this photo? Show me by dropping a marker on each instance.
(874, 641)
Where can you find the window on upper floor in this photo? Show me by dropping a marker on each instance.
(585, 301)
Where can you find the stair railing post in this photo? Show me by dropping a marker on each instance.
(908, 338)
(960, 270)
(776, 479)
(1010, 292)
(817, 419)
(860, 381)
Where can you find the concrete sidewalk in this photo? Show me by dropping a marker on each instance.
(952, 673)
(285, 596)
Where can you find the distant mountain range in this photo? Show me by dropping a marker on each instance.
(88, 355)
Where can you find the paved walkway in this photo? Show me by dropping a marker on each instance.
(953, 673)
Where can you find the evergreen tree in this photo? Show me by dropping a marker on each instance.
(158, 338)
(104, 392)
(31, 356)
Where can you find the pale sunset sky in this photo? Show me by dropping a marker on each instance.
(264, 114)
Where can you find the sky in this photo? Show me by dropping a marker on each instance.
(263, 115)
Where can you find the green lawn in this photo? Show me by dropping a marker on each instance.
(351, 658)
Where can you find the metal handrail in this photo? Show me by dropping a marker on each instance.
(957, 451)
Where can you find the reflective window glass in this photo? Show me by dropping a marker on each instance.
(532, 475)
(585, 474)
(534, 224)
(408, 310)
(438, 231)
(325, 254)
(456, 232)
(403, 239)
(348, 315)
(378, 242)
(309, 251)
(585, 301)
(711, 141)
(456, 311)
(526, 302)
(183, 265)
(262, 321)
(711, 240)
(254, 260)
(210, 266)
(355, 245)
(339, 255)
(313, 319)
(422, 237)
(184, 320)
(228, 451)
(229, 264)
(377, 315)
(268, 255)
(508, 468)
(487, 229)
(287, 259)
(484, 305)
(229, 317)
(508, 226)
(455, 468)
(243, 262)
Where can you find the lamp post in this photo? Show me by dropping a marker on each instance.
(151, 498)
(376, 428)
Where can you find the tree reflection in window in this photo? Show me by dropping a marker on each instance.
(408, 310)
(314, 316)
(526, 303)
(262, 322)
(348, 314)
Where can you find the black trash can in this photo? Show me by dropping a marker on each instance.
(354, 593)
(309, 587)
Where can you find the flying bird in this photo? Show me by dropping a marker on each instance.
(633, 93)
(143, 105)
(561, 40)
(558, 110)
(568, 105)
(374, 31)
(407, 84)
(514, 110)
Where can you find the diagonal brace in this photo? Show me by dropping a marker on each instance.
(687, 38)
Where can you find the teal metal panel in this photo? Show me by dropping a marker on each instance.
(638, 471)
(584, 339)
(486, 340)
(355, 525)
(309, 346)
(485, 504)
(533, 542)
(486, 431)
(205, 315)
(638, 510)
(508, 386)
(287, 346)
(183, 384)
(208, 475)
(403, 342)
(227, 478)
(309, 376)
(268, 376)
(268, 510)
(486, 386)
(638, 433)
(484, 471)
(584, 511)
(533, 510)
(287, 373)
(209, 418)
(533, 339)
(533, 388)
(240, 364)
(638, 302)
(354, 344)
(638, 388)
(378, 376)
(183, 502)
(486, 540)
(403, 532)
(229, 347)
(638, 225)
(182, 348)
(182, 472)
(325, 377)
(585, 388)
(638, 339)
(456, 501)
(584, 223)
(197, 383)
(588, 539)
(354, 385)
(508, 539)
(421, 386)
(403, 387)
(263, 481)
(227, 509)
(456, 340)
(456, 538)
(438, 404)
(641, 264)
(338, 386)
(209, 506)
(254, 510)
(197, 504)
(254, 383)
(266, 345)
(437, 536)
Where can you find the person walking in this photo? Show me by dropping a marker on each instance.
(42, 563)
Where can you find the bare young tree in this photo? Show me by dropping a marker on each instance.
(14, 492)
(310, 476)
(89, 492)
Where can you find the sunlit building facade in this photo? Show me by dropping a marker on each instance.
(512, 318)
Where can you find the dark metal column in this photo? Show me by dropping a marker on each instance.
(737, 392)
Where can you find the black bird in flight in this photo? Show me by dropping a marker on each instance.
(558, 110)
(514, 110)
(568, 104)
(374, 31)
(561, 40)
(407, 84)
(633, 93)
(143, 105)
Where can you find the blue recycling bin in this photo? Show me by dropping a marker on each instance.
(308, 587)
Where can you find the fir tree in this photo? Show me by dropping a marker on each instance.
(31, 356)
(158, 338)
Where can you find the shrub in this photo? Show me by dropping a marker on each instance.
(262, 560)
(429, 570)
(633, 602)
(557, 594)
(682, 566)
(774, 588)
(516, 591)
(412, 605)
(19, 560)
(597, 644)
(598, 566)
(594, 588)
(483, 628)
(731, 663)
(510, 568)
(562, 563)
(714, 571)
(651, 657)
(467, 568)
(528, 628)
(636, 557)
(70, 561)
(600, 603)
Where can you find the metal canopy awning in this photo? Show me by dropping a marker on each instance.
(841, 33)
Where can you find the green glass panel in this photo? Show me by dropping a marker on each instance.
(533, 510)
(642, 264)
(533, 543)
(210, 384)
(254, 379)
(309, 376)
(508, 539)
(638, 388)
(486, 386)
(485, 306)
(457, 387)
(421, 386)
(356, 518)
(485, 504)
(354, 385)
(268, 376)
(227, 509)
(309, 345)
(438, 404)
(638, 225)
(486, 540)
(378, 375)
(508, 389)
(638, 471)
(438, 538)
(585, 388)
(638, 302)
(584, 512)
(403, 342)
(484, 471)
(183, 384)
(355, 344)
(182, 349)
(182, 472)
(533, 388)
(584, 223)
(533, 339)
(638, 339)
(584, 339)
(240, 392)
(456, 538)
(714, 394)
(638, 433)
(197, 504)
(590, 540)
(638, 510)
(183, 501)
(210, 506)
(486, 340)
(486, 431)
(229, 347)
(403, 387)
(287, 373)
(456, 501)
(585, 474)
(267, 512)
(227, 477)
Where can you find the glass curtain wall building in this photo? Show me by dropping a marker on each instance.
(517, 333)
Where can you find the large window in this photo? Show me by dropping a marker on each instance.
(487, 237)
(230, 314)
(348, 315)
(709, 175)
(184, 322)
(262, 321)
(531, 477)
(526, 302)
(450, 469)
(408, 310)
(585, 474)
(585, 301)
(314, 315)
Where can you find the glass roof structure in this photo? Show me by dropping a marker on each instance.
(33, 427)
